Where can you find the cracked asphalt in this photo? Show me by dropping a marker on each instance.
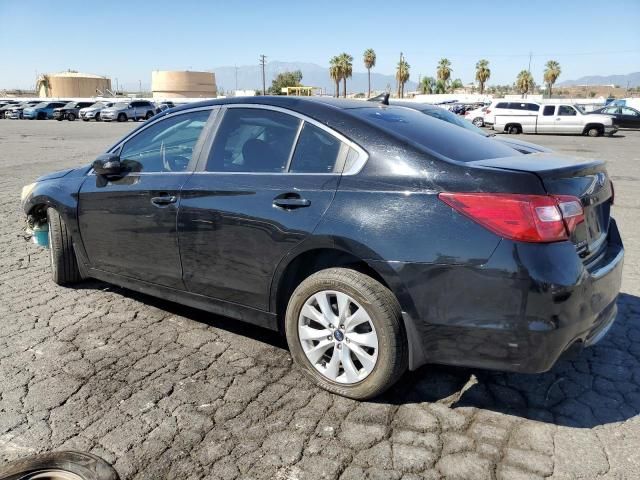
(164, 391)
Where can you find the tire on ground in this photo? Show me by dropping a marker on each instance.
(383, 309)
(64, 264)
(83, 465)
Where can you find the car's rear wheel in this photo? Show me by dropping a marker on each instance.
(148, 115)
(71, 117)
(478, 122)
(97, 117)
(122, 117)
(345, 330)
(64, 264)
(513, 129)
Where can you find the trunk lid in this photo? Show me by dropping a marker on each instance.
(564, 175)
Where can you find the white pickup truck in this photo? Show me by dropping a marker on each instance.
(558, 119)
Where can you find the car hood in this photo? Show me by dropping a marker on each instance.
(52, 175)
(600, 117)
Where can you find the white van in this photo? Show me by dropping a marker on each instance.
(509, 108)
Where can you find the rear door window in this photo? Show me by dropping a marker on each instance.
(253, 140)
(533, 107)
(502, 105)
(549, 110)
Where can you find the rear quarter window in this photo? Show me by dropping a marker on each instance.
(433, 135)
(502, 105)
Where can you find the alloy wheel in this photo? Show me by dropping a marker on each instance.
(338, 337)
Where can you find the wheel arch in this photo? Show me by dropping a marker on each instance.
(304, 262)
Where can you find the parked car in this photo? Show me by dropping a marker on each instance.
(4, 103)
(450, 117)
(623, 117)
(476, 116)
(162, 106)
(42, 110)
(93, 111)
(376, 238)
(15, 110)
(558, 119)
(70, 111)
(134, 110)
(509, 108)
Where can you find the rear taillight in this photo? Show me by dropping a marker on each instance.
(525, 218)
(487, 111)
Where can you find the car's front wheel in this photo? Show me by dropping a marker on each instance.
(71, 117)
(64, 264)
(345, 330)
(122, 117)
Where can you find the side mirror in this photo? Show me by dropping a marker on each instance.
(107, 164)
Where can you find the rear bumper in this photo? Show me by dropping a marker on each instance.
(519, 312)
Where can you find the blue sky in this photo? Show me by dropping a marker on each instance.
(128, 39)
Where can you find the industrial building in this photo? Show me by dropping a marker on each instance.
(72, 85)
(183, 84)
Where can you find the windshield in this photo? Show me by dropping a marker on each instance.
(42, 105)
(97, 105)
(71, 105)
(450, 117)
(121, 105)
(434, 135)
(580, 108)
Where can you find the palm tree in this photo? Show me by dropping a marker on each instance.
(524, 82)
(482, 73)
(551, 73)
(369, 59)
(346, 69)
(402, 76)
(457, 83)
(444, 70)
(335, 73)
(428, 84)
(441, 87)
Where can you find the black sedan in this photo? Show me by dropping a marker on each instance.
(374, 237)
(624, 117)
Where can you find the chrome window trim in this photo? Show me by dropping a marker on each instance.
(363, 156)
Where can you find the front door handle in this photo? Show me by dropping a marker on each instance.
(291, 202)
(164, 200)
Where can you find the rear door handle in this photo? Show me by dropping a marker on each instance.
(291, 203)
(164, 200)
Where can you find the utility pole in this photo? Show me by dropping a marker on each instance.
(263, 62)
(236, 77)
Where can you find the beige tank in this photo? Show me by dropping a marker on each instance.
(175, 84)
(72, 85)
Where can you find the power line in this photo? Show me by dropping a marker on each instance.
(556, 54)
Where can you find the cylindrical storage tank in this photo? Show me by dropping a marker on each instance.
(175, 84)
(72, 85)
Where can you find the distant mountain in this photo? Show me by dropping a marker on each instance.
(250, 77)
(632, 78)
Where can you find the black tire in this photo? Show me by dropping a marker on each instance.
(513, 129)
(478, 122)
(594, 131)
(42, 116)
(85, 119)
(384, 311)
(59, 119)
(148, 115)
(84, 465)
(122, 117)
(64, 264)
(71, 117)
(97, 117)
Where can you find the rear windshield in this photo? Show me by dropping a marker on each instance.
(436, 136)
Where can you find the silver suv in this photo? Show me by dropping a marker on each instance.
(134, 110)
